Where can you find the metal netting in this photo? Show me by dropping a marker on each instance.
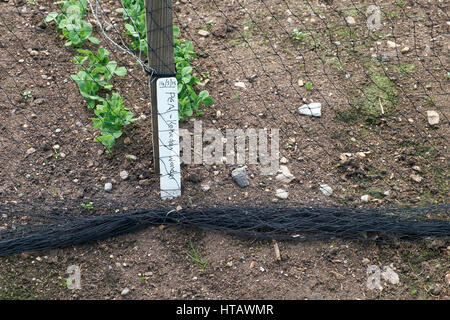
(358, 91)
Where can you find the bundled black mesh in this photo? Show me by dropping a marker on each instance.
(373, 138)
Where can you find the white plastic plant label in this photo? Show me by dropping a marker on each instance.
(169, 137)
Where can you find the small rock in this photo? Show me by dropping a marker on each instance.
(301, 83)
(124, 174)
(58, 130)
(125, 292)
(131, 157)
(360, 155)
(326, 189)
(78, 124)
(282, 194)
(435, 289)
(365, 261)
(283, 160)
(312, 109)
(344, 157)
(416, 177)
(205, 187)
(229, 264)
(144, 182)
(433, 117)
(56, 147)
(417, 168)
(405, 50)
(240, 177)
(108, 186)
(31, 151)
(127, 140)
(350, 20)
(447, 278)
(285, 176)
(203, 33)
(240, 85)
(391, 44)
(365, 198)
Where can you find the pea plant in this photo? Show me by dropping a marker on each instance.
(70, 22)
(111, 117)
(94, 72)
(188, 99)
(134, 13)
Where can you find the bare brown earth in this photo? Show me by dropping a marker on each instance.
(249, 43)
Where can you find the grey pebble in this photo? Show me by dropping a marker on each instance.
(240, 177)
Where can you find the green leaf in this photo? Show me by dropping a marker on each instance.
(203, 94)
(208, 101)
(176, 31)
(94, 40)
(189, 112)
(121, 71)
(51, 16)
(186, 71)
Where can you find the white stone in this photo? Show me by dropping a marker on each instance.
(203, 33)
(124, 174)
(433, 117)
(108, 186)
(240, 85)
(313, 109)
(326, 189)
(391, 44)
(350, 20)
(131, 157)
(125, 292)
(405, 50)
(416, 177)
(282, 194)
(285, 175)
(365, 198)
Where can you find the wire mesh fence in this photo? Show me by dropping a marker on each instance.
(356, 92)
